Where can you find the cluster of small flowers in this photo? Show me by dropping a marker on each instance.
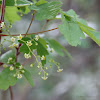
(43, 57)
(19, 73)
(5, 27)
(42, 70)
(57, 64)
(19, 70)
(27, 56)
(13, 39)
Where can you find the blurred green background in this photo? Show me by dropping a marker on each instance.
(80, 79)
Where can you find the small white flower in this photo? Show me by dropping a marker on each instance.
(9, 59)
(31, 3)
(19, 76)
(5, 66)
(36, 37)
(11, 46)
(27, 56)
(20, 37)
(44, 77)
(46, 68)
(23, 71)
(38, 66)
(11, 68)
(43, 57)
(14, 75)
(20, 67)
(31, 65)
(47, 74)
(29, 43)
(39, 73)
(15, 45)
(10, 26)
(2, 24)
(13, 39)
(59, 70)
(52, 50)
(36, 43)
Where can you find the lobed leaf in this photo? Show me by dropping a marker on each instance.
(71, 31)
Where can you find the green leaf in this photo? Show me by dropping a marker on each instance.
(41, 50)
(10, 54)
(48, 10)
(85, 26)
(34, 1)
(58, 47)
(40, 2)
(11, 14)
(23, 9)
(71, 31)
(73, 23)
(33, 7)
(71, 13)
(23, 2)
(43, 42)
(7, 79)
(93, 35)
(28, 77)
(9, 2)
(24, 49)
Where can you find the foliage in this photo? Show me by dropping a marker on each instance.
(72, 28)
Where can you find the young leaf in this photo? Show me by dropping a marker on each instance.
(28, 77)
(48, 10)
(7, 79)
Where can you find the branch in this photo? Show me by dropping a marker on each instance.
(31, 33)
(30, 23)
(11, 93)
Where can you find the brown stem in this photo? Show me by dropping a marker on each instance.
(32, 33)
(11, 93)
(30, 23)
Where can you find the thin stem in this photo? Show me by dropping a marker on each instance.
(11, 93)
(31, 33)
(30, 23)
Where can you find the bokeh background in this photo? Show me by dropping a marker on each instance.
(80, 79)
